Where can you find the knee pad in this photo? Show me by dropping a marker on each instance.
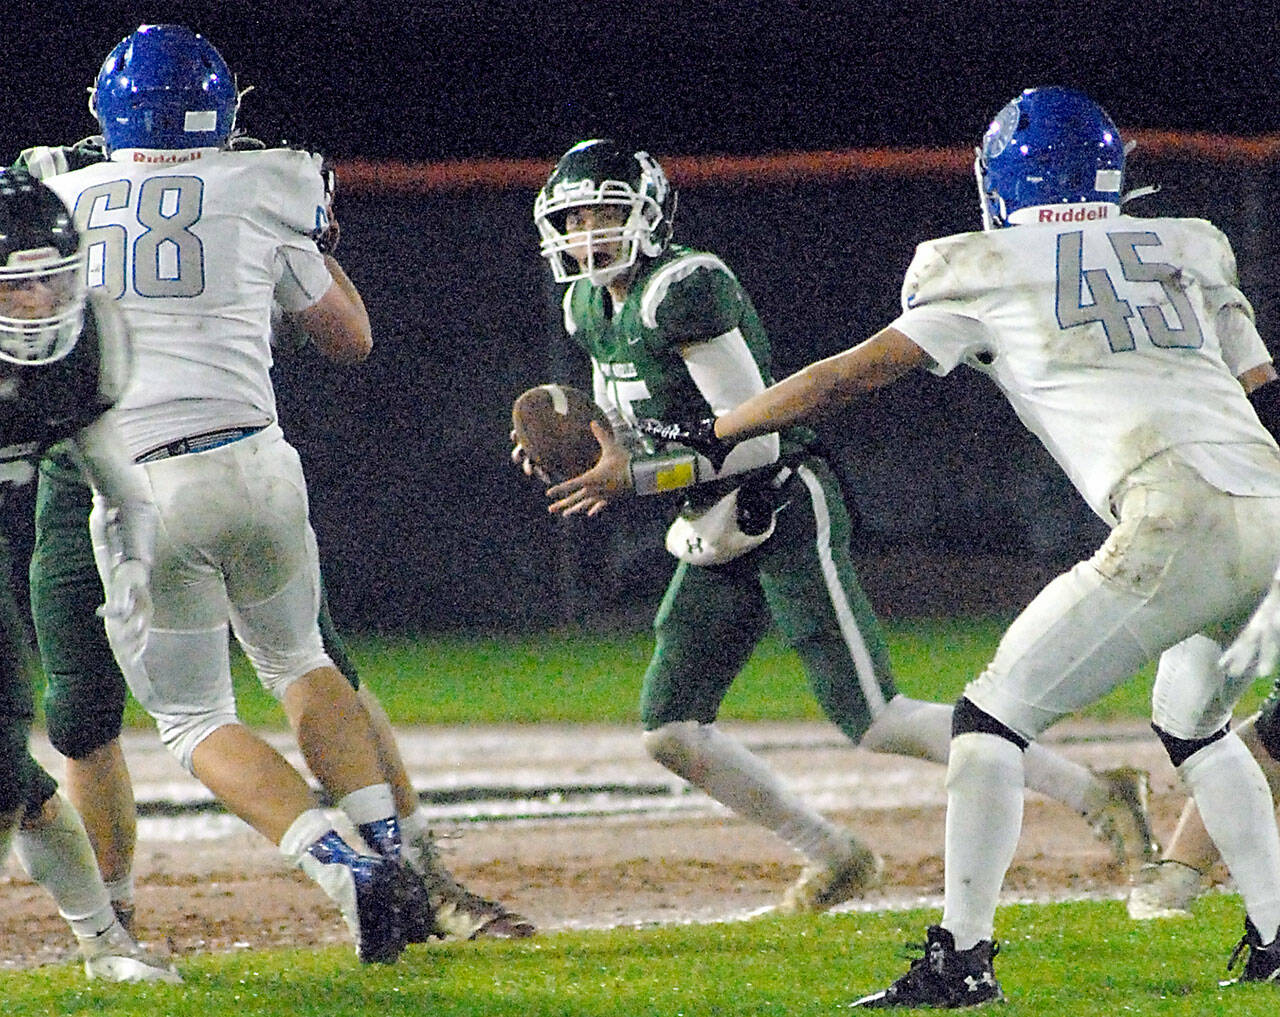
(180, 733)
(969, 719)
(191, 695)
(1182, 749)
(278, 671)
(281, 635)
(673, 745)
(81, 728)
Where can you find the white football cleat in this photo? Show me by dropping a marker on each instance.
(824, 884)
(1163, 890)
(115, 956)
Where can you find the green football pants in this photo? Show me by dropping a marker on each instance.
(802, 579)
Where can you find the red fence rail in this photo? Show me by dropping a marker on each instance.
(389, 177)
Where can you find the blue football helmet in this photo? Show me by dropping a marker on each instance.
(165, 87)
(42, 291)
(1048, 146)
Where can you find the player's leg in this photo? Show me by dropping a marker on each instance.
(84, 690)
(1180, 560)
(390, 762)
(1191, 710)
(212, 507)
(46, 833)
(54, 849)
(455, 912)
(809, 582)
(709, 622)
(1166, 888)
(1030, 678)
(18, 771)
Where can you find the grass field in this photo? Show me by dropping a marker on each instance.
(1061, 960)
(572, 678)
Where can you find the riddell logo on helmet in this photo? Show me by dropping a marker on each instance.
(1074, 213)
(168, 158)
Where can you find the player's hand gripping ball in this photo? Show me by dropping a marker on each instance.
(551, 426)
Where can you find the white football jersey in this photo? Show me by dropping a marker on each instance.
(193, 245)
(1104, 336)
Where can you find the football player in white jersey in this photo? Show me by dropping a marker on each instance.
(84, 690)
(1105, 332)
(193, 241)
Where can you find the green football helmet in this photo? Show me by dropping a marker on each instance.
(599, 173)
(42, 291)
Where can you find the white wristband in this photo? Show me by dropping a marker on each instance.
(659, 474)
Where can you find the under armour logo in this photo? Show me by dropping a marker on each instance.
(972, 983)
(693, 545)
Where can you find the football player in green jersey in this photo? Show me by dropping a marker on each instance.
(763, 534)
(64, 361)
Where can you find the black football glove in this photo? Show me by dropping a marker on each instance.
(699, 435)
(327, 239)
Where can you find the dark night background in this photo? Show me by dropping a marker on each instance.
(518, 77)
(423, 524)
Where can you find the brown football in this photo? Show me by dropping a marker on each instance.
(553, 423)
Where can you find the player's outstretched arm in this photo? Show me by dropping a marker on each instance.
(126, 528)
(823, 386)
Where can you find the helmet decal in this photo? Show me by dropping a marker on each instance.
(1000, 133)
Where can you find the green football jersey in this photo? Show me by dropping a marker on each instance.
(685, 343)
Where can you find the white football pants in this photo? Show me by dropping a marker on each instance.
(1185, 558)
(233, 546)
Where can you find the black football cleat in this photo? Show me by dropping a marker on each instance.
(1263, 963)
(944, 977)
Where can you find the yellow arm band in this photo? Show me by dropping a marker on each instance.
(659, 474)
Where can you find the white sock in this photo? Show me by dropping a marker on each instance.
(984, 821)
(415, 832)
(913, 727)
(1059, 778)
(308, 828)
(1235, 804)
(59, 857)
(369, 804)
(723, 768)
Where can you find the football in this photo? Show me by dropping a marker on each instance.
(553, 423)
